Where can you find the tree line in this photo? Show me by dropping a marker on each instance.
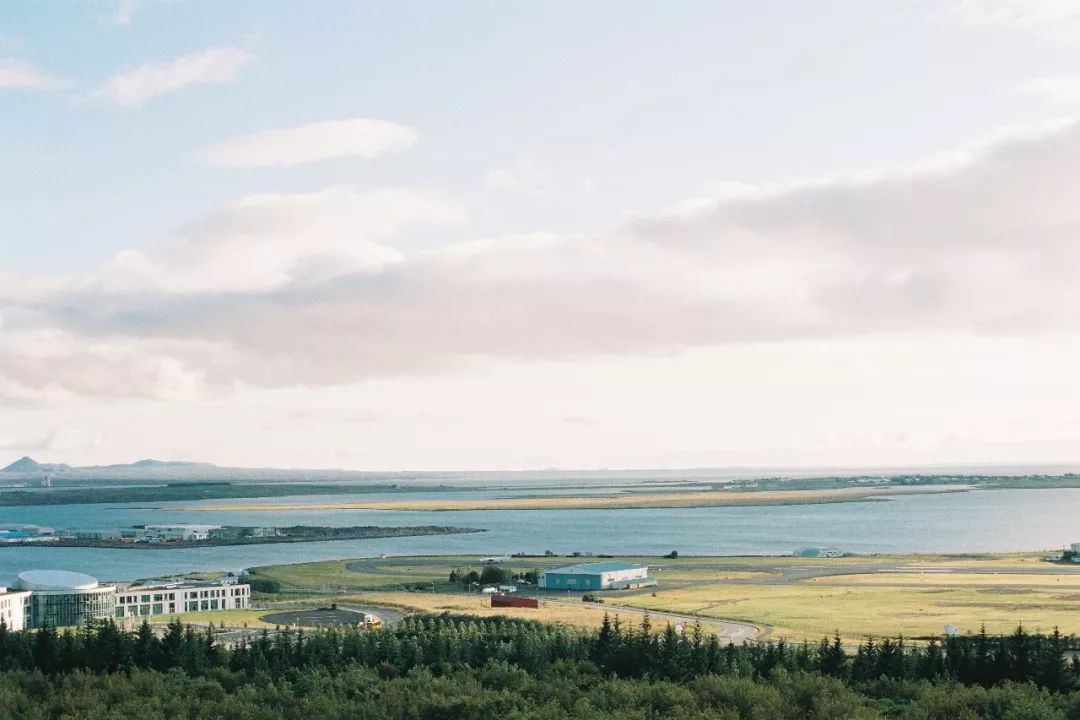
(462, 667)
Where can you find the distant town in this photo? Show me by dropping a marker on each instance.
(192, 535)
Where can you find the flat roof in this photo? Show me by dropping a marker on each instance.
(595, 568)
(56, 580)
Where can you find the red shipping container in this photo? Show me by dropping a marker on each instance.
(512, 601)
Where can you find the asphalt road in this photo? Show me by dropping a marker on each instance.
(727, 630)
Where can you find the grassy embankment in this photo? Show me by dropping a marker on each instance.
(798, 598)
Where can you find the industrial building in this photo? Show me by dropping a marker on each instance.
(175, 533)
(26, 533)
(64, 599)
(819, 552)
(596, 576)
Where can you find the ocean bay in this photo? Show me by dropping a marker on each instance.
(967, 522)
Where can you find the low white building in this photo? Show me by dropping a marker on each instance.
(15, 609)
(819, 552)
(170, 599)
(174, 533)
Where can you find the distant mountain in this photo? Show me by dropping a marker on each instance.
(28, 464)
(23, 465)
(151, 470)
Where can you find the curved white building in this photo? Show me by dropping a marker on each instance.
(61, 598)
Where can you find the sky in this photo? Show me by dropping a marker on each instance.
(510, 235)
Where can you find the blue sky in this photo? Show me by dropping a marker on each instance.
(550, 139)
(642, 103)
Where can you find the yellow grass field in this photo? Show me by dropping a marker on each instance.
(812, 609)
(954, 579)
(561, 613)
(797, 598)
(624, 501)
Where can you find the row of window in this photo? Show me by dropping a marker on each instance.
(137, 599)
(170, 608)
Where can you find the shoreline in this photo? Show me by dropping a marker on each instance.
(631, 501)
(244, 542)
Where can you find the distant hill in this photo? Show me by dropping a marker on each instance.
(151, 470)
(23, 464)
(28, 464)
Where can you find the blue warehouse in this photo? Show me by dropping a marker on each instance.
(596, 576)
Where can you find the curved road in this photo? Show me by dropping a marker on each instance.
(727, 630)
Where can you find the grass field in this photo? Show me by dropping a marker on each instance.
(707, 498)
(389, 574)
(797, 598)
(810, 611)
(562, 613)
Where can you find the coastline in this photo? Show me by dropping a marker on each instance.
(630, 501)
(360, 534)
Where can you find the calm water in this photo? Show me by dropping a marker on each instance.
(979, 521)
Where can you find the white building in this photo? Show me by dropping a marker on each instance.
(70, 599)
(15, 609)
(174, 533)
(169, 599)
(66, 599)
(819, 552)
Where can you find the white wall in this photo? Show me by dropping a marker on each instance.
(15, 609)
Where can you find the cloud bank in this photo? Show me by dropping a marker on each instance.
(308, 289)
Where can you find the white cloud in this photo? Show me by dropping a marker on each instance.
(304, 289)
(1053, 21)
(265, 242)
(19, 74)
(1023, 14)
(354, 137)
(1063, 89)
(215, 66)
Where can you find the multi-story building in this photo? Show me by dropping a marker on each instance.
(60, 598)
(15, 608)
(168, 599)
